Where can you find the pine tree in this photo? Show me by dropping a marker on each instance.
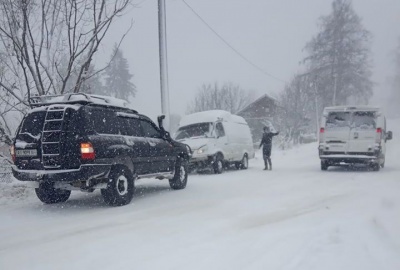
(117, 81)
(339, 57)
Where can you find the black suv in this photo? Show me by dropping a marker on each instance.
(89, 142)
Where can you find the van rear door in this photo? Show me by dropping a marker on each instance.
(337, 131)
(363, 132)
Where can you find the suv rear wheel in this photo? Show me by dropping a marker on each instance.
(181, 174)
(48, 194)
(120, 187)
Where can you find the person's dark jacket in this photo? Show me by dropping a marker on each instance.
(267, 138)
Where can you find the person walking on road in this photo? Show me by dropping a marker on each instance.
(266, 143)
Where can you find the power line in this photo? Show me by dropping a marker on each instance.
(231, 47)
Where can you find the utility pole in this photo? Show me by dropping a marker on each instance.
(162, 37)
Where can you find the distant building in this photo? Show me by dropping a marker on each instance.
(262, 112)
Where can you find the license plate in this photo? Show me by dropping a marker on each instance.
(26, 153)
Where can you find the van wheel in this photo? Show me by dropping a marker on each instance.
(48, 194)
(120, 187)
(324, 165)
(244, 164)
(181, 174)
(218, 164)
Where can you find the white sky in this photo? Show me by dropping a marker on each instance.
(271, 33)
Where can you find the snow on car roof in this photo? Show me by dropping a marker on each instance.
(352, 108)
(210, 117)
(74, 98)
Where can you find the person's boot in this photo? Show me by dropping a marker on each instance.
(270, 164)
(266, 165)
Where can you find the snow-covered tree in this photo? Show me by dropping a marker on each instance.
(396, 82)
(118, 78)
(298, 106)
(46, 47)
(339, 57)
(229, 97)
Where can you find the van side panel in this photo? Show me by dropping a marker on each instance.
(240, 140)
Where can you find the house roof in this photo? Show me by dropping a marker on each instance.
(263, 97)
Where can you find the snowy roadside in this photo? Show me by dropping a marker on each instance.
(11, 190)
(14, 192)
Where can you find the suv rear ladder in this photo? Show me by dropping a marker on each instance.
(51, 136)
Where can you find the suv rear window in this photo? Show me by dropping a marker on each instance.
(33, 123)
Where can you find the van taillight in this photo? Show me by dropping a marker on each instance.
(321, 134)
(87, 151)
(12, 152)
(378, 135)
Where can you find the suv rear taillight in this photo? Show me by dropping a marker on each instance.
(12, 152)
(87, 151)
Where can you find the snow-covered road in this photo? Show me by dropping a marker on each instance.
(294, 217)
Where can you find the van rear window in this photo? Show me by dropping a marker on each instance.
(338, 120)
(364, 120)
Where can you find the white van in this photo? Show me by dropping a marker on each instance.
(353, 135)
(217, 138)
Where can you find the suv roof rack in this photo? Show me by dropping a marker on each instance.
(78, 98)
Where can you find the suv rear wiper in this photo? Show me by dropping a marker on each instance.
(36, 138)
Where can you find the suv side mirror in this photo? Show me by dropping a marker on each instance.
(164, 134)
(389, 135)
(160, 120)
(167, 136)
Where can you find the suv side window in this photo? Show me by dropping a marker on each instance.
(220, 130)
(106, 121)
(133, 127)
(149, 130)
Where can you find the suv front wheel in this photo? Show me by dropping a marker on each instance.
(120, 187)
(179, 180)
(48, 194)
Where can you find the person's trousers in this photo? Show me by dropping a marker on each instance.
(267, 155)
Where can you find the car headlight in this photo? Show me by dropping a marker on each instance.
(202, 150)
